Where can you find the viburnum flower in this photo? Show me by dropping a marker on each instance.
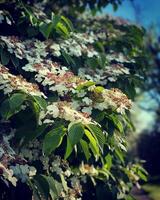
(88, 169)
(64, 110)
(114, 98)
(10, 83)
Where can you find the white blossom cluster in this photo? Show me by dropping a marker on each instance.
(12, 167)
(32, 50)
(102, 76)
(10, 83)
(58, 78)
(77, 45)
(23, 172)
(33, 151)
(63, 110)
(88, 169)
(119, 57)
(52, 164)
(114, 98)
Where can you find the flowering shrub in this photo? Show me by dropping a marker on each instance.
(66, 91)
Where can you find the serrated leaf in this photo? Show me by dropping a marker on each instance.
(15, 61)
(42, 185)
(40, 101)
(116, 121)
(62, 29)
(5, 57)
(69, 149)
(98, 134)
(75, 133)
(46, 29)
(16, 100)
(85, 148)
(55, 187)
(68, 23)
(93, 143)
(5, 110)
(53, 139)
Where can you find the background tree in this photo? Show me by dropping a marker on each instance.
(66, 90)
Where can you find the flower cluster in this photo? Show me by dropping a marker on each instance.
(10, 83)
(56, 77)
(116, 99)
(102, 76)
(77, 45)
(63, 110)
(12, 166)
(32, 50)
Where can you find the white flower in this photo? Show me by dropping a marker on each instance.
(56, 49)
(53, 110)
(48, 121)
(32, 171)
(87, 110)
(87, 101)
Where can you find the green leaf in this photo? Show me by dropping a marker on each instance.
(85, 148)
(5, 57)
(46, 29)
(15, 60)
(64, 182)
(108, 159)
(68, 23)
(85, 85)
(142, 175)
(55, 187)
(16, 100)
(12, 105)
(53, 139)
(116, 121)
(69, 149)
(55, 20)
(75, 133)
(40, 101)
(119, 155)
(93, 143)
(36, 109)
(5, 110)
(31, 134)
(92, 62)
(68, 59)
(98, 134)
(42, 185)
(62, 29)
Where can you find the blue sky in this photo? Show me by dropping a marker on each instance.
(149, 11)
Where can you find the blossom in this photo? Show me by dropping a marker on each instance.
(63, 110)
(88, 169)
(114, 98)
(10, 83)
(8, 174)
(23, 172)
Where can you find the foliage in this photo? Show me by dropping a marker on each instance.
(152, 190)
(66, 92)
(151, 164)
